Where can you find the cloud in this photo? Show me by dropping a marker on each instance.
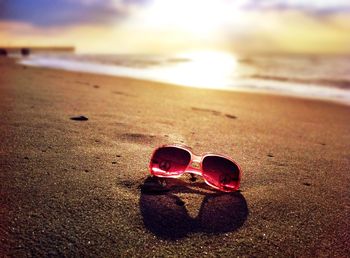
(48, 13)
(318, 7)
(153, 26)
(51, 13)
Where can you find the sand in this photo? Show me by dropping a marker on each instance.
(73, 188)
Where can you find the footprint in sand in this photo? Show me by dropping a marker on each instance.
(121, 93)
(81, 82)
(214, 112)
(138, 137)
(230, 116)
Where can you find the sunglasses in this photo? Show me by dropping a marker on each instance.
(218, 171)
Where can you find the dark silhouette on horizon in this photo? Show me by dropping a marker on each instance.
(3, 52)
(25, 51)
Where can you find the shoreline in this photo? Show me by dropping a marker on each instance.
(129, 73)
(73, 188)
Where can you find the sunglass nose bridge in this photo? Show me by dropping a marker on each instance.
(195, 167)
(196, 159)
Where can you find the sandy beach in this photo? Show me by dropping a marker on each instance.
(73, 188)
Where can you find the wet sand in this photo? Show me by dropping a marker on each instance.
(71, 187)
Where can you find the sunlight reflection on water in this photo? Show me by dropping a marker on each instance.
(312, 77)
(203, 69)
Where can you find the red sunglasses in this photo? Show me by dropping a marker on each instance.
(218, 171)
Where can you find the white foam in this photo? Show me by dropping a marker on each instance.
(168, 74)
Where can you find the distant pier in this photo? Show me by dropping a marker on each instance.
(25, 51)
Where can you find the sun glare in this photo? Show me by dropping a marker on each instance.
(200, 17)
(209, 69)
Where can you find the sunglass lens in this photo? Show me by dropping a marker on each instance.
(170, 161)
(221, 173)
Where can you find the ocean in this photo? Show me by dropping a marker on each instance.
(311, 76)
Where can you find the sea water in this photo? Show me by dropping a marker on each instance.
(311, 76)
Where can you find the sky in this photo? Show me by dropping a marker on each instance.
(164, 26)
